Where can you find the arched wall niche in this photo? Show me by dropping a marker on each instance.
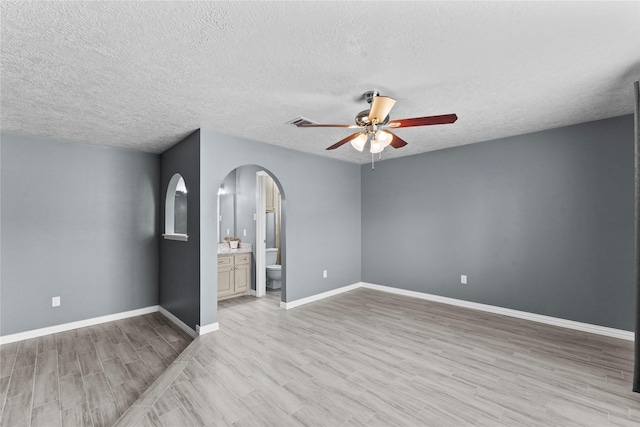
(175, 210)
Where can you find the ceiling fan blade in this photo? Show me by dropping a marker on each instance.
(397, 142)
(318, 125)
(380, 108)
(424, 121)
(344, 141)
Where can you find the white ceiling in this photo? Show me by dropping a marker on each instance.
(145, 74)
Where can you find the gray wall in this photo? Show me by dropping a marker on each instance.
(79, 221)
(322, 215)
(542, 222)
(180, 261)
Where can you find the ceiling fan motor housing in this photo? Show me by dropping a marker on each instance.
(362, 119)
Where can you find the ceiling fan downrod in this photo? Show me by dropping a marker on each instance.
(370, 94)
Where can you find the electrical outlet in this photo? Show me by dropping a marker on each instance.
(55, 302)
(324, 274)
(463, 279)
(244, 232)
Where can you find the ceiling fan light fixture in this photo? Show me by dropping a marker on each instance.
(376, 146)
(384, 138)
(359, 142)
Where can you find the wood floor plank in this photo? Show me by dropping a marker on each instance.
(4, 387)
(163, 348)
(47, 415)
(166, 402)
(140, 372)
(68, 362)
(196, 403)
(115, 371)
(7, 361)
(46, 343)
(45, 388)
(97, 390)
(89, 363)
(17, 411)
(21, 380)
(105, 415)
(106, 350)
(177, 417)
(71, 391)
(126, 352)
(47, 361)
(77, 416)
(127, 393)
(83, 342)
(27, 353)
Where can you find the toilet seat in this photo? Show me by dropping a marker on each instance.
(274, 267)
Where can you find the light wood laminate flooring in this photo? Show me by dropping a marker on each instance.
(368, 358)
(88, 376)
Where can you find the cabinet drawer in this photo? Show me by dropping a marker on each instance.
(242, 259)
(225, 260)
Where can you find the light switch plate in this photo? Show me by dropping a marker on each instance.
(55, 302)
(463, 279)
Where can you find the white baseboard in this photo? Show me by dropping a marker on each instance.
(205, 329)
(179, 323)
(75, 325)
(555, 321)
(323, 295)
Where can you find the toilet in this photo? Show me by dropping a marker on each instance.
(274, 272)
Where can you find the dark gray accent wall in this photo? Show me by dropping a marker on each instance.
(79, 221)
(180, 261)
(542, 222)
(322, 198)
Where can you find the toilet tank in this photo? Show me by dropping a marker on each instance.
(271, 256)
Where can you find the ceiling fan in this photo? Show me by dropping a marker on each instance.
(375, 123)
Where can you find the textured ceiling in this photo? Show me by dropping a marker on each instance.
(145, 74)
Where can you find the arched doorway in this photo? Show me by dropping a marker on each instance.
(246, 204)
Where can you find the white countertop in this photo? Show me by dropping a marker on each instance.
(224, 249)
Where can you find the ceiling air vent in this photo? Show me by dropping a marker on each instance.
(300, 121)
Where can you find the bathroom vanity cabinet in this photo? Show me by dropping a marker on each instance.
(234, 275)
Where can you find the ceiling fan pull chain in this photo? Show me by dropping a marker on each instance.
(373, 160)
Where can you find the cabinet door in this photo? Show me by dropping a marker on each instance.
(269, 196)
(225, 280)
(243, 278)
